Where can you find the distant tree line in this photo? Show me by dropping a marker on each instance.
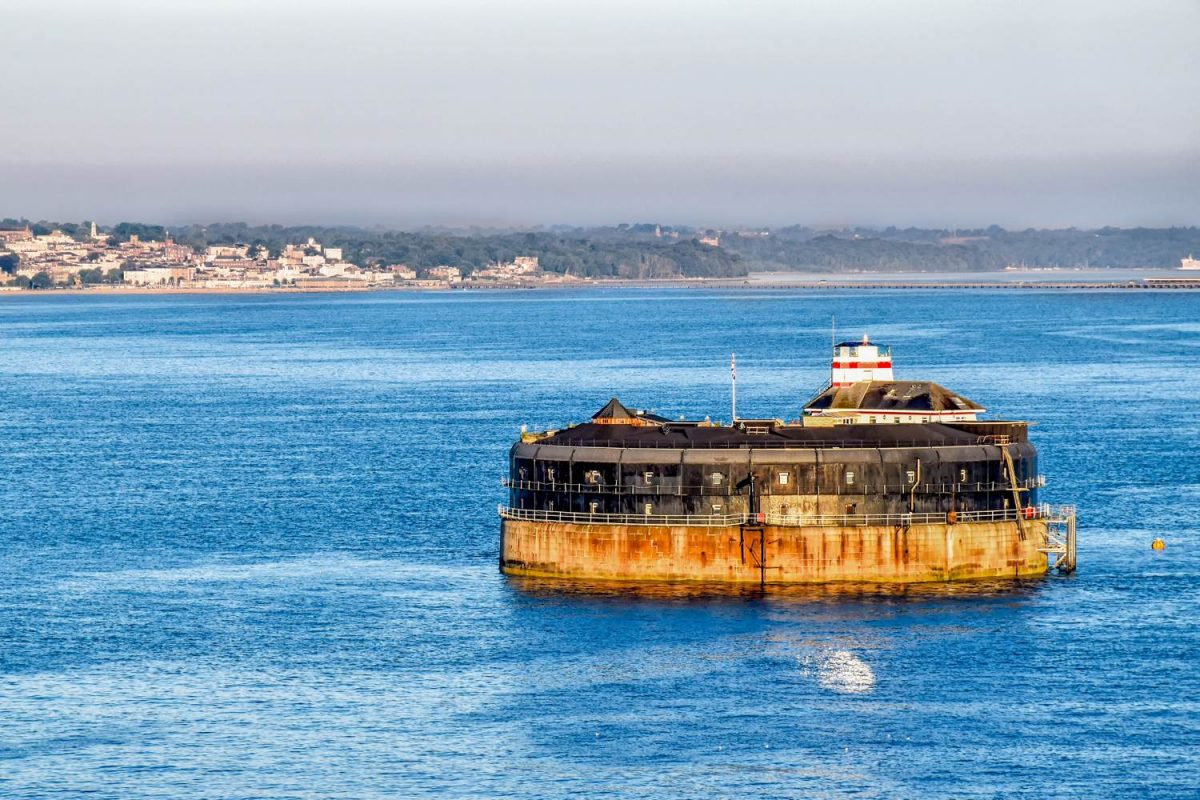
(647, 250)
(598, 253)
(909, 249)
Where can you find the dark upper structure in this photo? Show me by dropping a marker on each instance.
(630, 462)
(845, 456)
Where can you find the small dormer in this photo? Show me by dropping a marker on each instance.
(615, 413)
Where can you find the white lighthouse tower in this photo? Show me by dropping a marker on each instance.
(860, 361)
(863, 391)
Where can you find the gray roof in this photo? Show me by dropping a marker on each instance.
(891, 396)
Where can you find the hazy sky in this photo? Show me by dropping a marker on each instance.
(919, 112)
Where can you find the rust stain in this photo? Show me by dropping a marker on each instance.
(795, 555)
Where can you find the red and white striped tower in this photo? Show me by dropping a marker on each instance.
(860, 361)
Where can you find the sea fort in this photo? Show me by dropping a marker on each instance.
(879, 480)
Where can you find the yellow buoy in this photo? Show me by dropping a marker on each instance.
(1158, 544)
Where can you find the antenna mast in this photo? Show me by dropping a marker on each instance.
(733, 383)
(832, 344)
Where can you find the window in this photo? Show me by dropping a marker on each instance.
(648, 477)
(897, 419)
(717, 477)
(648, 509)
(784, 478)
(849, 478)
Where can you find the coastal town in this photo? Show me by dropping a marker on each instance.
(103, 262)
(235, 257)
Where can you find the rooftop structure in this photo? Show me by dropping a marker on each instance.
(863, 390)
(860, 361)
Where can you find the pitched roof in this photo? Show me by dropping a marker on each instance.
(891, 396)
(614, 410)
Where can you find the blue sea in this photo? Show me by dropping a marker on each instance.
(248, 549)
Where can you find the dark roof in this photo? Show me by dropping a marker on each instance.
(891, 396)
(693, 435)
(861, 343)
(614, 410)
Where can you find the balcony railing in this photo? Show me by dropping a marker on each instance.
(916, 518)
(699, 520)
(789, 520)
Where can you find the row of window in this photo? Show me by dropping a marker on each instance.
(718, 478)
(716, 508)
(647, 508)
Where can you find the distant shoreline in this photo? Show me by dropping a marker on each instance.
(1152, 280)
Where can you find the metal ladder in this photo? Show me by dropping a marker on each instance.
(1016, 490)
(1060, 538)
(749, 536)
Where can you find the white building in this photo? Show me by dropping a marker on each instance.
(158, 276)
(226, 251)
(860, 361)
(444, 273)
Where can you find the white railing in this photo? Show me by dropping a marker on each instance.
(585, 518)
(1056, 513)
(915, 518)
(774, 518)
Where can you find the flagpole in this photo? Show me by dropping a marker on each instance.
(733, 380)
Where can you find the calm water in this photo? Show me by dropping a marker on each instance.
(249, 550)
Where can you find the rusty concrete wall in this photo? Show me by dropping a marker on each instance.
(871, 554)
